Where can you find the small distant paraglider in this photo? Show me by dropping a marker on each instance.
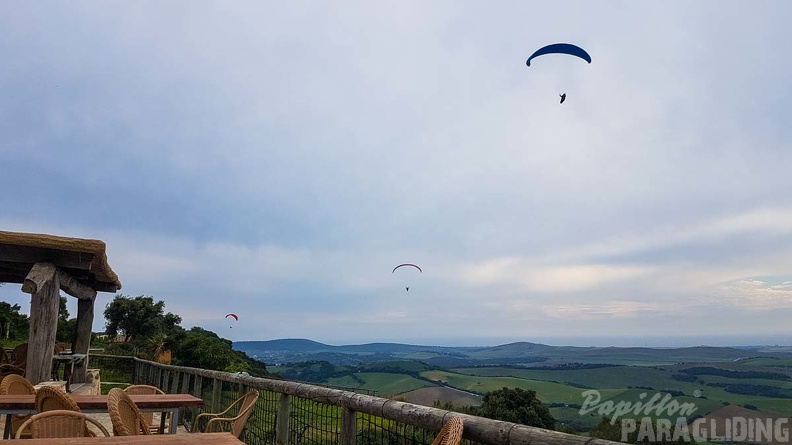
(234, 316)
(561, 48)
(407, 265)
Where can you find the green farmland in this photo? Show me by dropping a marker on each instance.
(385, 384)
(703, 378)
(548, 392)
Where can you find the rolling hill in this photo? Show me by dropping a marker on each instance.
(518, 353)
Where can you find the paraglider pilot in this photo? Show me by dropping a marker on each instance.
(563, 97)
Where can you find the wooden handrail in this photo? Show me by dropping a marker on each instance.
(479, 429)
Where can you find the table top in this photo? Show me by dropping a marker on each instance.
(68, 357)
(170, 439)
(99, 402)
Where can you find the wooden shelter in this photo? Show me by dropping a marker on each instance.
(43, 265)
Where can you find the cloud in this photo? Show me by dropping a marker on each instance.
(530, 277)
(757, 294)
(608, 310)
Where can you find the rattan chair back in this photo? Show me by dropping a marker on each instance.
(148, 417)
(49, 398)
(125, 415)
(19, 356)
(16, 384)
(59, 423)
(451, 433)
(235, 423)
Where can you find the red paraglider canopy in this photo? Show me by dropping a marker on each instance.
(236, 317)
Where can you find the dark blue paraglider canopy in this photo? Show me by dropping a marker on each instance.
(561, 48)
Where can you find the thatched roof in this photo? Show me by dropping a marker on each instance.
(83, 259)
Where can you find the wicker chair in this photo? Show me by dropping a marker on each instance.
(7, 367)
(19, 356)
(451, 433)
(59, 423)
(244, 406)
(49, 398)
(16, 384)
(146, 389)
(124, 414)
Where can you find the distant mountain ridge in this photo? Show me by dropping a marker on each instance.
(518, 353)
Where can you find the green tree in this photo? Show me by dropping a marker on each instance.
(138, 318)
(200, 348)
(609, 430)
(147, 331)
(66, 327)
(13, 325)
(516, 405)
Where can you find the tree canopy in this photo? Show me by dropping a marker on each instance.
(516, 405)
(137, 317)
(13, 325)
(147, 330)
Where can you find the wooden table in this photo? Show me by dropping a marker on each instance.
(68, 360)
(156, 439)
(26, 404)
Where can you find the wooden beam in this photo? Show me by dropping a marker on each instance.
(74, 288)
(11, 272)
(42, 283)
(40, 275)
(82, 341)
(60, 258)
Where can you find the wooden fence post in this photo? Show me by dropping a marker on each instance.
(348, 427)
(198, 387)
(185, 383)
(174, 387)
(282, 420)
(217, 391)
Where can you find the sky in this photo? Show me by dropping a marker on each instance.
(278, 159)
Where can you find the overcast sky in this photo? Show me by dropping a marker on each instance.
(278, 159)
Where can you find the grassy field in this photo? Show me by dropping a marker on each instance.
(429, 395)
(608, 377)
(548, 392)
(386, 384)
(561, 388)
(767, 361)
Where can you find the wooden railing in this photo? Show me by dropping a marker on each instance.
(292, 413)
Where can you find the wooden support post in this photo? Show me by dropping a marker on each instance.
(198, 387)
(282, 420)
(348, 427)
(42, 284)
(174, 386)
(85, 314)
(217, 392)
(185, 386)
